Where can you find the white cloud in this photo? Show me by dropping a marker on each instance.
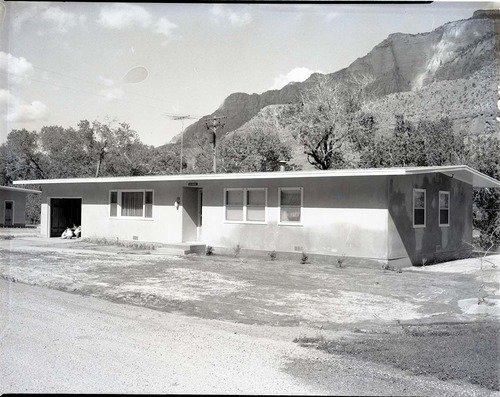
(61, 21)
(224, 14)
(16, 68)
(112, 94)
(165, 27)
(105, 81)
(298, 74)
(14, 109)
(121, 16)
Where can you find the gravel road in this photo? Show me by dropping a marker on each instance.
(57, 342)
(52, 341)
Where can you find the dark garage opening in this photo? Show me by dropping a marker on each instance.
(64, 213)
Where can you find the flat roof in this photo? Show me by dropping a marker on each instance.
(19, 189)
(460, 172)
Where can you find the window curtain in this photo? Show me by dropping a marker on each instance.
(132, 203)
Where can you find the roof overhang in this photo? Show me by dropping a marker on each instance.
(461, 172)
(21, 190)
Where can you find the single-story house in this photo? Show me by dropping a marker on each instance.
(13, 206)
(399, 216)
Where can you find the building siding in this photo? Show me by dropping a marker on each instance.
(356, 216)
(433, 242)
(19, 199)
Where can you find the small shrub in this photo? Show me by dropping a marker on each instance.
(273, 255)
(386, 266)
(237, 250)
(341, 261)
(304, 258)
(210, 250)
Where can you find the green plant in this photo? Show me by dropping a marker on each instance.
(273, 255)
(304, 258)
(209, 250)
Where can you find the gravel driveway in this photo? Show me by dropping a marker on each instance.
(281, 300)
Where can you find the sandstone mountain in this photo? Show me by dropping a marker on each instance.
(452, 71)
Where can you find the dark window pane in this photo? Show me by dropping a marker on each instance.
(418, 215)
(149, 198)
(443, 217)
(290, 198)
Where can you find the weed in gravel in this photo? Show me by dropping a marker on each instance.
(237, 250)
(209, 250)
(341, 261)
(273, 255)
(304, 259)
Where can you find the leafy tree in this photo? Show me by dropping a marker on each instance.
(425, 143)
(21, 157)
(482, 152)
(258, 149)
(68, 152)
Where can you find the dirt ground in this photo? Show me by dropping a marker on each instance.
(320, 297)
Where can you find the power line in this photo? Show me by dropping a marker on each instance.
(213, 125)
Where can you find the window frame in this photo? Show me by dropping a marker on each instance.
(245, 206)
(119, 193)
(419, 226)
(291, 223)
(446, 192)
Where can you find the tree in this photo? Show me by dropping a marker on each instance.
(425, 143)
(257, 149)
(68, 152)
(21, 157)
(324, 121)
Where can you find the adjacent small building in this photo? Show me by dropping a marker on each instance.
(399, 216)
(13, 206)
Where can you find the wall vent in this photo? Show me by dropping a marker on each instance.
(135, 238)
(298, 248)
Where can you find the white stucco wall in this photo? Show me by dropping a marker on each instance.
(165, 226)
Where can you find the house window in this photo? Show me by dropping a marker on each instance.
(418, 207)
(256, 205)
(138, 204)
(113, 204)
(444, 208)
(290, 205)
(245, 204)
(234, 205)
(148, 204)
(132, 203)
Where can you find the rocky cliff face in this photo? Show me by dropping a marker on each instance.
(457, 61)
(406, 62)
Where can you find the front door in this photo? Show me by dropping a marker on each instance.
(191, 218)
(8, 213)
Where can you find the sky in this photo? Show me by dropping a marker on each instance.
(63, 62)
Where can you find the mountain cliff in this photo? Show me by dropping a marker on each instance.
(452, 71)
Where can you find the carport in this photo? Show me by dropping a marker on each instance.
(64, 213)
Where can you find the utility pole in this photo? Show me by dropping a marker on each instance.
(178, 117)
(213, 125)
